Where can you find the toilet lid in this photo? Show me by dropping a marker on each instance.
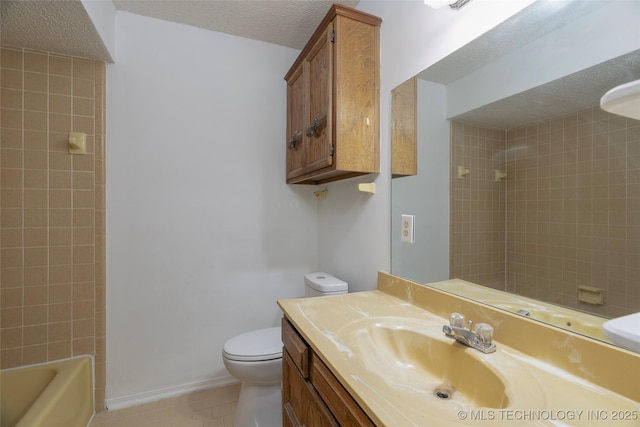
(262, 344)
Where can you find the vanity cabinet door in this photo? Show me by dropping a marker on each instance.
(311, 395)
(301, 404)
(346, 410)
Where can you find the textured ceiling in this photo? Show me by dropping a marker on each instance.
(283, 22)
(572, 93)
(535, 21)
(63, 26)
(575, 92)
(50, 26)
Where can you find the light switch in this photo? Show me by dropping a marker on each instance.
(406, 229)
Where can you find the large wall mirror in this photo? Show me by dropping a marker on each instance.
(524, 184)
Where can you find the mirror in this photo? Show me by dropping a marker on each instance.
(524, 184)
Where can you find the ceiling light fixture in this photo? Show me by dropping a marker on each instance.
(437, 4)
(623, 100)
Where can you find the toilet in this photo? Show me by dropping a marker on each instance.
(255, 358)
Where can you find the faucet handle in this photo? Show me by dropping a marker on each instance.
(484, 332)
(456, 319)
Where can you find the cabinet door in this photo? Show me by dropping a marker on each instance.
(343, 407)
(301, 404)
(292, 387)
(319, 62)
(404, 129)
(296, 123)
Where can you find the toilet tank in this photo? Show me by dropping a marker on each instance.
(320, 284)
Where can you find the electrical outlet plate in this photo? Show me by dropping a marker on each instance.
(406, 229)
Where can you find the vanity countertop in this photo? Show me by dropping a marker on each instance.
(371, 342)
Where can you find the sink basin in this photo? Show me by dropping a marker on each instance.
(396, 362)
(624, 331)
(428, 376)
(439, 367)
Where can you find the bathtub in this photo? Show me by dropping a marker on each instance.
(52, 394)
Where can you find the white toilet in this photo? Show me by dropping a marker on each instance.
(255, 358)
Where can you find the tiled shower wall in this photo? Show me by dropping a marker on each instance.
(572, 209)
(477, 205)
(52, 211)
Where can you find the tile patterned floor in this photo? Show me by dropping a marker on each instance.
(208, 408)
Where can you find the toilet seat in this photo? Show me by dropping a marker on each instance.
(255, 346)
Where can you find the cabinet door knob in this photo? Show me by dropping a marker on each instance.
(316, 125)
(295, 139)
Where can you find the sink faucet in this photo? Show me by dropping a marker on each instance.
(480, 339)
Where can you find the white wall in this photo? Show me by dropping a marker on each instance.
(354, 228)
(103, 16)
(203, 233)
(427, 259)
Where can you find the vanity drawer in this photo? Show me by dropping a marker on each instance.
(346, 410)
(296, 347)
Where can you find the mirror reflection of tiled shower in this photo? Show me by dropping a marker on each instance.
(567, 214)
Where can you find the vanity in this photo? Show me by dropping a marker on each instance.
(312, 395)
(380, 358)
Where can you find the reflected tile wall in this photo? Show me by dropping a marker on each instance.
(573, 212)
(570, 206)
(477, 205)
(52, 210)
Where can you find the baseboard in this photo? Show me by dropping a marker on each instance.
(115, 403)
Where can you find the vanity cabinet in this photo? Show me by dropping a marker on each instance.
(311, 395)
(333, 102)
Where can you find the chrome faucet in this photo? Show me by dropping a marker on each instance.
(480, 339)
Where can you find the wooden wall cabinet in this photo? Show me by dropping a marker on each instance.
(333, 101)
(404, 132)
(311, 395)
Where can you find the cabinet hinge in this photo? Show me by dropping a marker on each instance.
(333, 147)
(332, 36)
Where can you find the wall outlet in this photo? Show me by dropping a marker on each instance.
(406, 229)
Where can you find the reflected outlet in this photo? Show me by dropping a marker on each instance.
(406, 230)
